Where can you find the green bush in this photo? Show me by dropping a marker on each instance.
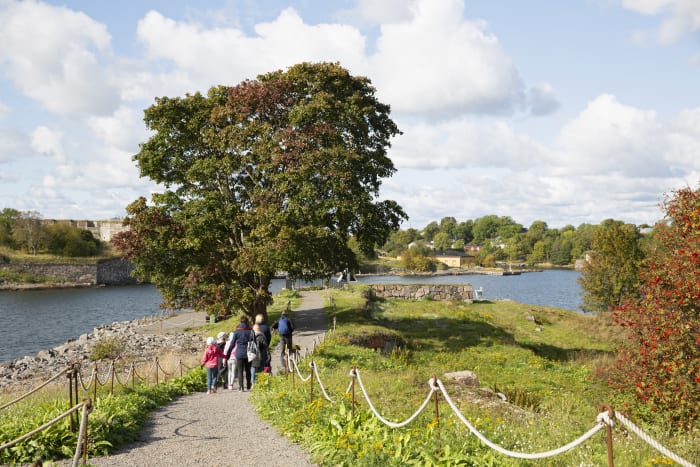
(107, 348)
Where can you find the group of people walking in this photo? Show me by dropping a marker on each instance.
(232, 359)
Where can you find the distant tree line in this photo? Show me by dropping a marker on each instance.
(614, 250)
(26, 231)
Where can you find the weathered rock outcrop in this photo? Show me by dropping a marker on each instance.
(460, 292)
(137, 346)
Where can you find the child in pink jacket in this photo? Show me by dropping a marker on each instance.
(211, 360)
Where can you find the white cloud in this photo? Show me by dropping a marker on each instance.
(441, 64)
(372, 12)
(4, 110)
(610, 137)
(122, 130)
(684, 140)
(542, 99)
(464, 143)
(227, 55)
(679, 17)
(13, 144)
(58, 64)
(49, 142)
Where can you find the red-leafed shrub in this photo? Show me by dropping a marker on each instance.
(660, 361)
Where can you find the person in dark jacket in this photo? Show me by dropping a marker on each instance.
(267, 332)
(240, 339)
(285, 326)
(257, 366)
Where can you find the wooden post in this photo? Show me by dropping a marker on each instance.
(111, 380)
(133, 374)
(435, 394)
(156, 364)
(87, 407)
(608, 432)
(94, 387)
(311, 383)
(70, 396)
(180, 364)
(352, 386)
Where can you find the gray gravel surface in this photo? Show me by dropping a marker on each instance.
(221, 429)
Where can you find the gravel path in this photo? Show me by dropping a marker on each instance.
(222, 428)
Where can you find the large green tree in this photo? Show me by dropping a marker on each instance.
(610, 275)
(274, 174)
(8, 216)
(28, 231)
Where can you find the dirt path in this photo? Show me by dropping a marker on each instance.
(222, 428)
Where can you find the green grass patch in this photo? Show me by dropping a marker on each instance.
(545, 367)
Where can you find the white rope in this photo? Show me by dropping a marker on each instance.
(291, 361)
(82, 433)
(93, 375)
(520, 455)
(653, 443)
(24, 396)
(382, 419)
(320, 383)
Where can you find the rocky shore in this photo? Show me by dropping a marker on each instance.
(139, 340)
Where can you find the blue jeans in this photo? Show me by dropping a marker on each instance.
(254, 370)
(212, 374)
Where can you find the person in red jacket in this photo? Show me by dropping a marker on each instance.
(210, 359)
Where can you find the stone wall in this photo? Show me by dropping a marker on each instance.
(115, 272)
(73, 273)
(462, 292)
(108, 272)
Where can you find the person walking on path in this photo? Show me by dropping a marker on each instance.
(257, 366)
(188, 431)
(310, 322)
(285, 326)
(240, 341)
(267, 332)
(210, 359)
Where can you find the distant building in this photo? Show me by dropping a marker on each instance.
(101, 230)
(453, 258)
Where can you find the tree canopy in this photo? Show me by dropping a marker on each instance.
(610, 276)
(661, 361)
(274, 174)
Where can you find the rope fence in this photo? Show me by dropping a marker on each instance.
(604, 420)
(86, 407)
(76, 379)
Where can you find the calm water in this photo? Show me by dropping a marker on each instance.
(35, 320)
(555, 288)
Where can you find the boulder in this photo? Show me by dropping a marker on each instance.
(466, 377)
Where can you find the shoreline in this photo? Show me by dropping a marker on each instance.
(19, 286)
(143, 338)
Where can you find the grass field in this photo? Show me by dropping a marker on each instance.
(545, 361)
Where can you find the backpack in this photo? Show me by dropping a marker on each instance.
(284, 326)
(253, 351)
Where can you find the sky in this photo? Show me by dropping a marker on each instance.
(567, 112)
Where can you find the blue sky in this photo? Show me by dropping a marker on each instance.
(566, 112)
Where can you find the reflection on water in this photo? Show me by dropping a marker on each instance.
(35, 320)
